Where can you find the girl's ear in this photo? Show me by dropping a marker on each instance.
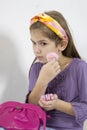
(62, 45)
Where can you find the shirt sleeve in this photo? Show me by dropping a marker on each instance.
(33, 75)
(80, 107)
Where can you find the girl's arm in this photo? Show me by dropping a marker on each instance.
(37, 91)
(47, 73)
(65, 107)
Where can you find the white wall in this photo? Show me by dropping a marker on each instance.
(15, 47)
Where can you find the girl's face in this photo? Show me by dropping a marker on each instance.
(42, 45)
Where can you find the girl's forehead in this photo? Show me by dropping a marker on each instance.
(37, 31)
(38, 34)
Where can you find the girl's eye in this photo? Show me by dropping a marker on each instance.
(43, 43)
(33, 43)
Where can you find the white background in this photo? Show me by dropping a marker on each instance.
(16, 52)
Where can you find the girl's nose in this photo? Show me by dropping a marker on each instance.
(37, 49)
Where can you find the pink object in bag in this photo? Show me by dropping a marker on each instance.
(21, 116)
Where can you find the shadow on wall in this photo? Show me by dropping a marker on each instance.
(13, 83)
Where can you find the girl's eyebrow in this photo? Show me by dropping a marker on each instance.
(39, 41)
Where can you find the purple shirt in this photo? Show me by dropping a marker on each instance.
(71, 86)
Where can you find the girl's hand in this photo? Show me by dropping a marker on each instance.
(48, 104)
(49, 71)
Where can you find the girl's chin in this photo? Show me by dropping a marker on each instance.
(43, 62)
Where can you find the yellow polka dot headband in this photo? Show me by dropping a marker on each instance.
(50, 23)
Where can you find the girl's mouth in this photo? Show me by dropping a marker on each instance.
(39, 57)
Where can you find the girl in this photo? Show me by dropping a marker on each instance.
(63, 80)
